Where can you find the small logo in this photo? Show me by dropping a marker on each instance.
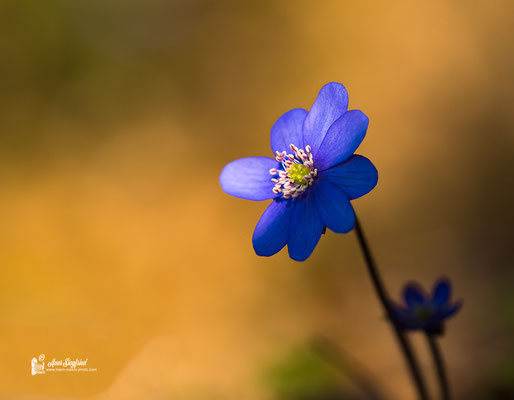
(62, 365)
(38, 367)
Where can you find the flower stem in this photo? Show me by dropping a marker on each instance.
(384, 299)
(439, 363)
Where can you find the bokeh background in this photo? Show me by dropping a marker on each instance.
(118, 245)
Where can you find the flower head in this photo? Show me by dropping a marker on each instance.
(311, 178)
(423, 311)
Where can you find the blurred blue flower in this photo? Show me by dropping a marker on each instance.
(312, 178)
(423, 311)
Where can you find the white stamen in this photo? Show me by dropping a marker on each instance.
(284, 184)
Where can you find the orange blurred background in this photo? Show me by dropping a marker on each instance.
(118, 245)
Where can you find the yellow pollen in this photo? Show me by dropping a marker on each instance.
(297, 173)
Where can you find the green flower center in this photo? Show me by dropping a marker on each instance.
(297, 173)
(423, 314)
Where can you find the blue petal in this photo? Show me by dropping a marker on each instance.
(334, 208)
(403, 316)
(413, 295)
(305, 229)
(331, 104)
(451, 310)
(356, 176)
(342, 139)
(272, 230)
(288, 130)
(249, 178)
(441, 292)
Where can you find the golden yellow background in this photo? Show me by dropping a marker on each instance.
(118, 245)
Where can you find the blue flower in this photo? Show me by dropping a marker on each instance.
(422, 311)
(312, 177)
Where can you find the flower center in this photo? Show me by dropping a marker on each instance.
(298, 172)
(423, 314)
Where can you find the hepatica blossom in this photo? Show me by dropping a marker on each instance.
(311, 178)
(423, 311)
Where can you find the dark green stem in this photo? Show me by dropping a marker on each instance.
(439, 364)
(384, 299)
